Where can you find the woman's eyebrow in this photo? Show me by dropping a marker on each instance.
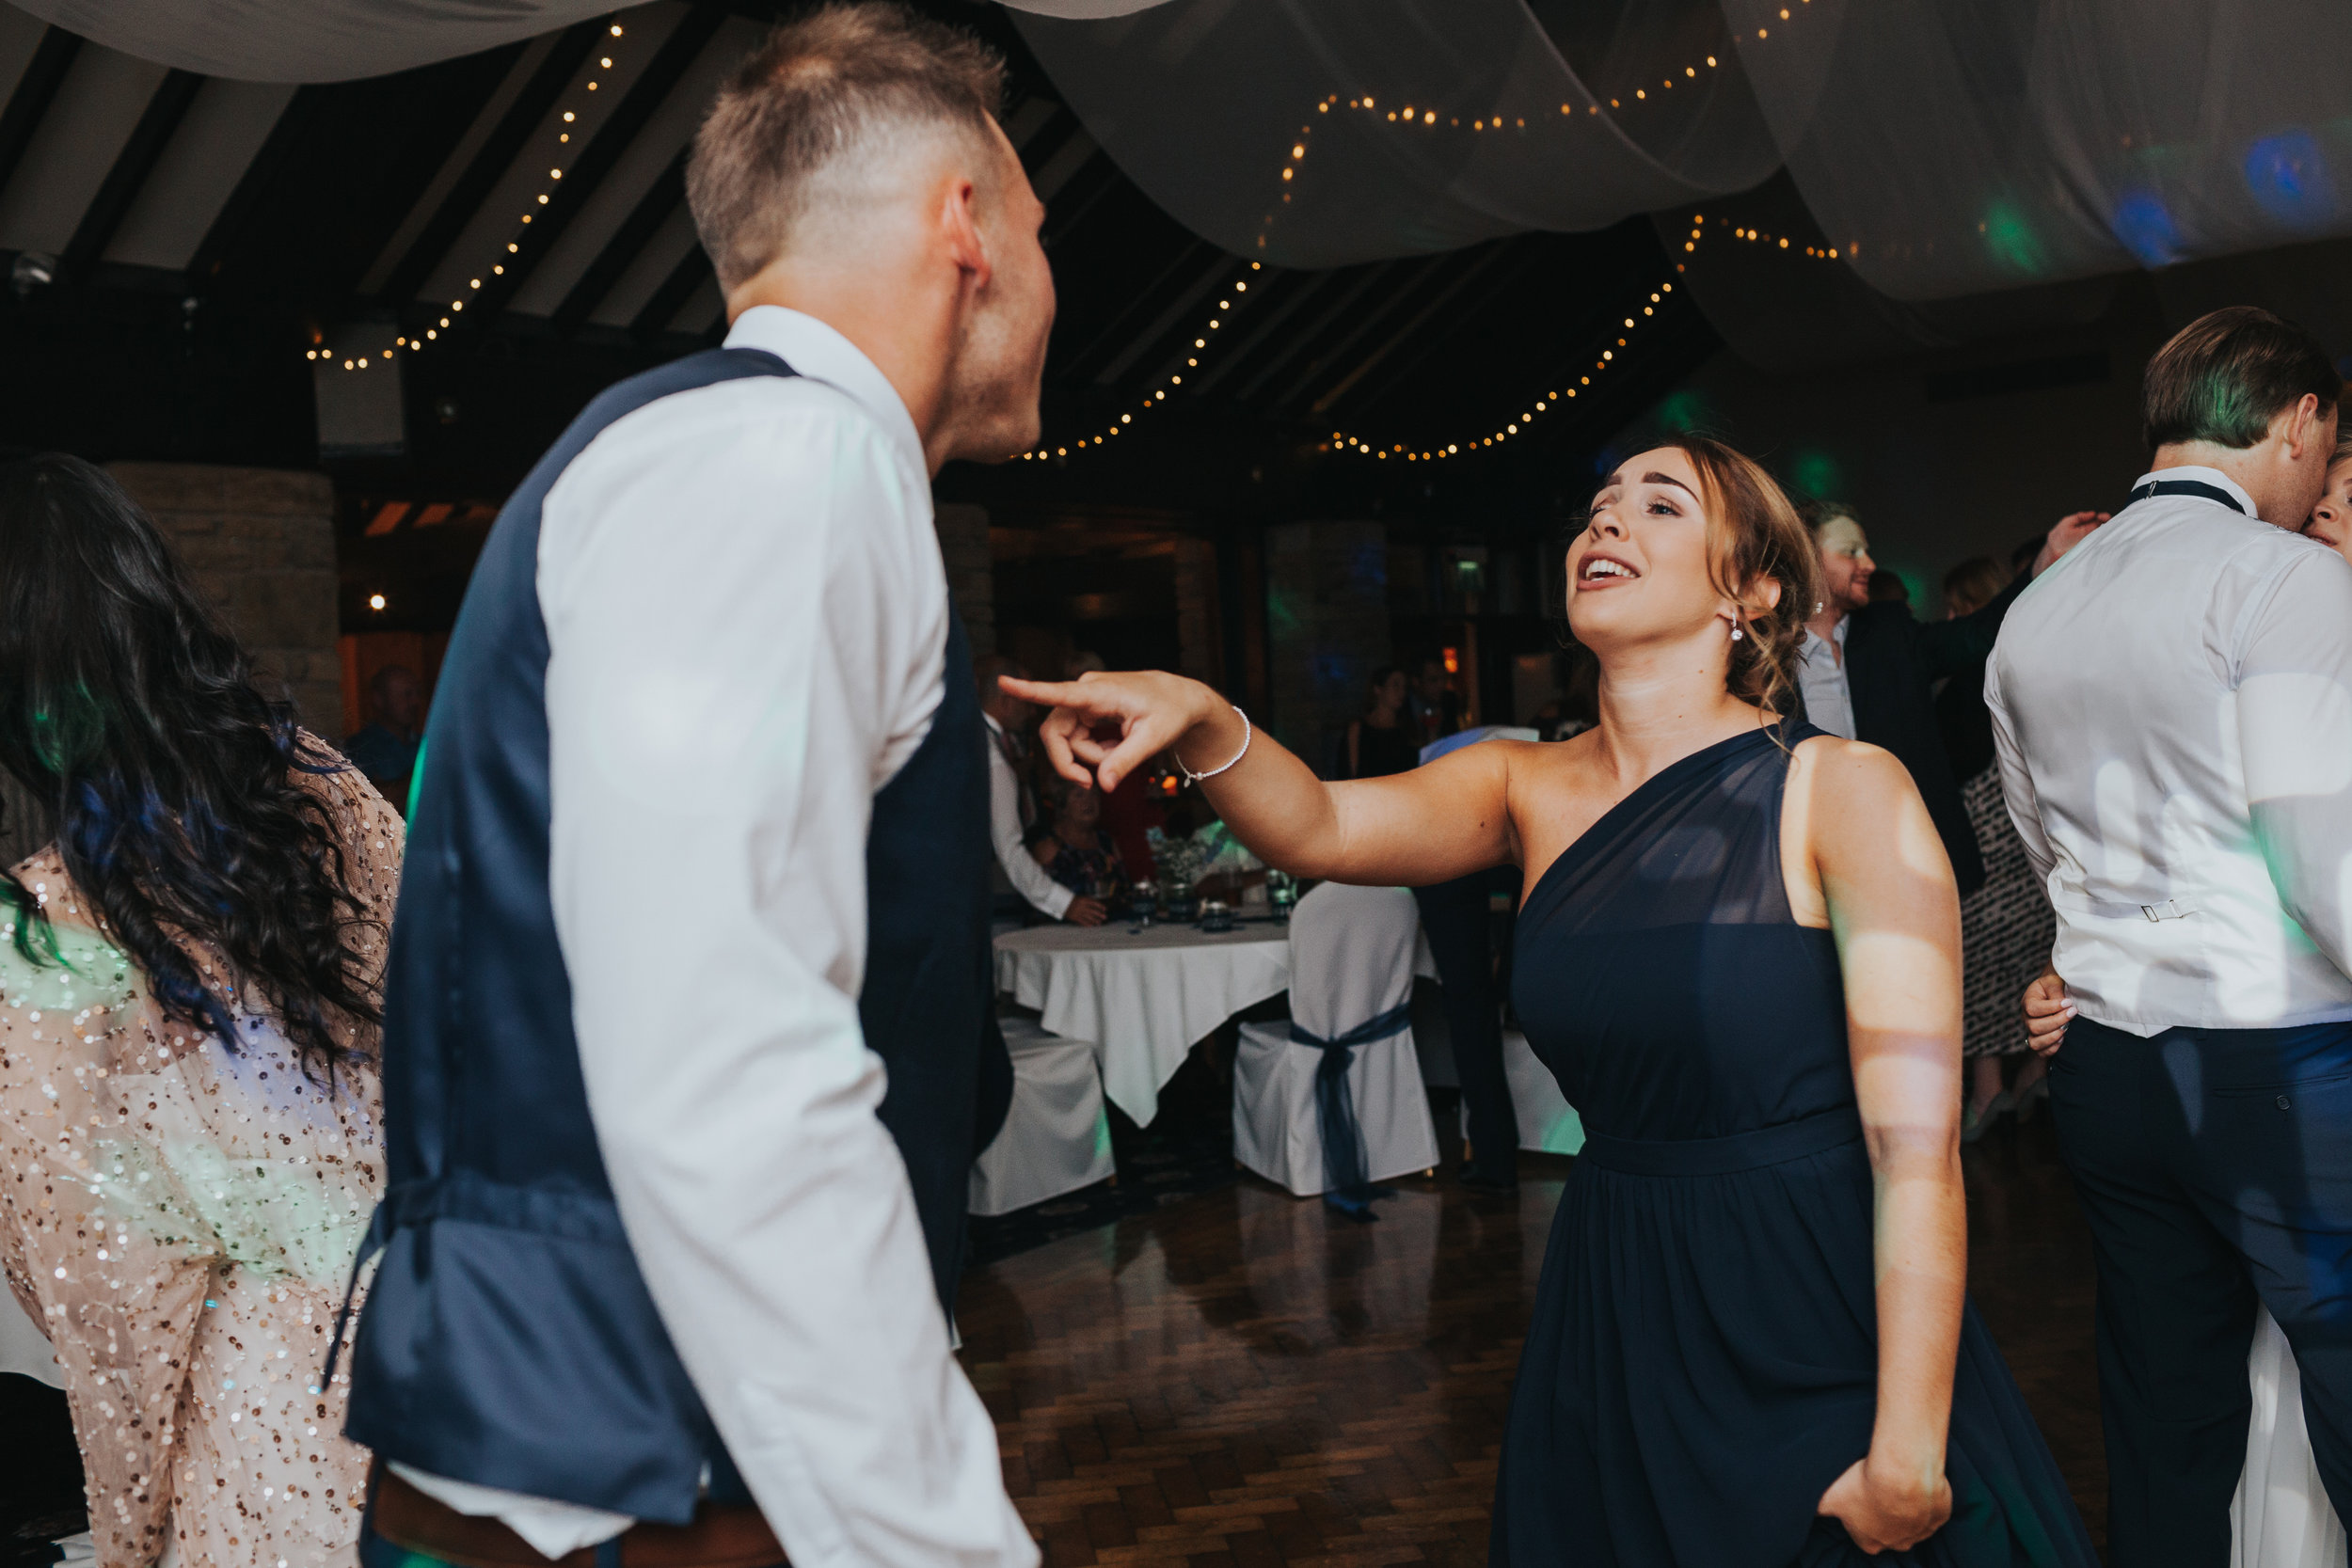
(1669, 479)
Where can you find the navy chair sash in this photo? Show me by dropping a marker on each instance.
(1346, 1163)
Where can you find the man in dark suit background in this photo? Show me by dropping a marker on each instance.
(1867, 670)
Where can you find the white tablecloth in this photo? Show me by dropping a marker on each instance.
(1146, 997)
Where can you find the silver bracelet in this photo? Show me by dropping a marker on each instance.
(1246, 734)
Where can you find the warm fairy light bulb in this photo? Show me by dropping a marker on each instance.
(616, 29)
(376, 601)
(568, 117)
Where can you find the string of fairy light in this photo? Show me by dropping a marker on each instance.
(415, 344)
(1550, 400)
(1156, 395)
(1428, 118)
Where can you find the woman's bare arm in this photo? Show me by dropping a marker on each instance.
(1431, 825)
(1891, 901)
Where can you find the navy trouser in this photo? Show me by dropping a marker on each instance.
(1455, 917)
(2214, 1165)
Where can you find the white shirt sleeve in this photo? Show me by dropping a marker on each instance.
(2016, 784)
(745, 610)
(2295, 733)
(1028, 877)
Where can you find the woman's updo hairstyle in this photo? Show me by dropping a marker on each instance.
(1755, 536)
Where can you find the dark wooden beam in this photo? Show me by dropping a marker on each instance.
(1285, 352)
(669, 299)
(644, 220)
(34, 91)
(1437, 302)
(1421, 278)
(133, 165)
(293, 128)
(593, 163)
(531, 106)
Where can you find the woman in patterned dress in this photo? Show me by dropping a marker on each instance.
(189, 1145)
(2006, 927)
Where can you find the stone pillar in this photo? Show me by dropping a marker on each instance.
(1327, 631)
(971, 574)
(261, 545)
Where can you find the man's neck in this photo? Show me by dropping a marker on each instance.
(2245, 467)
(1825, 622)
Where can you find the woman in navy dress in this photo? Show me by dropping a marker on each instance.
(1739, 949)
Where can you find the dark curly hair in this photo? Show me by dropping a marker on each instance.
(131, 713)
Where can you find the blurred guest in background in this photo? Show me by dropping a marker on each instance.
(1023, 884)
(211, 916)
(1436, 710)
(1381, 742)
(384, 747)
(1076, 851)
(1866, 669)
(2006, 925)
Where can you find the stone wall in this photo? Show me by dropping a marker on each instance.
(971, 576)
(1200, 632)
(1327, 631)
(261, 545)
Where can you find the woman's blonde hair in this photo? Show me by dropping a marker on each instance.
(1755, 536)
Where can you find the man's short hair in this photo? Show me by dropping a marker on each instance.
(2225, 376)
(821, 88)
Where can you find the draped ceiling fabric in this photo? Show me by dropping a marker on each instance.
(1278, 128)
(307, 40)
(1949, 149)
(1953, 147)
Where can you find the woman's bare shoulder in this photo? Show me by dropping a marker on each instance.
(1839, 774)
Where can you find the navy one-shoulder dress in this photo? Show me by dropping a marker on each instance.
(1703, 1359)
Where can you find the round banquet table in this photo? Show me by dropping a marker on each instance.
(1142, 999)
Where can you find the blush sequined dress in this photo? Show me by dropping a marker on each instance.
(180, 1218)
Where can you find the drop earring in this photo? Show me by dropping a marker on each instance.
(1735, 632)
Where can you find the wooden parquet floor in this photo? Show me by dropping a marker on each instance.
(1242, 1379)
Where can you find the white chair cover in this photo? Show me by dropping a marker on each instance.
(1548, 1123)
(1056, 1136)
(2281, 1517)
(1351, 961)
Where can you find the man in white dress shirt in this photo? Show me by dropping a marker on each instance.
(2172, 706)
(688, 980)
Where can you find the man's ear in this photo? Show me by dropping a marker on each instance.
(960, 226)
(2300, 426)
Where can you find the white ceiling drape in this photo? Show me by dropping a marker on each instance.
(1946, 148)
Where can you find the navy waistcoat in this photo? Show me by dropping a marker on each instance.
(509, 1339)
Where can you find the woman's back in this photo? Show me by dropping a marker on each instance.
(181, 1219)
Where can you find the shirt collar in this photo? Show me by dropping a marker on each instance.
(989, 719)
(1813, 639)
(821, 353)
(2214, 477)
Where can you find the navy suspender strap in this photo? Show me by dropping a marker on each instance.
(2188, 487)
